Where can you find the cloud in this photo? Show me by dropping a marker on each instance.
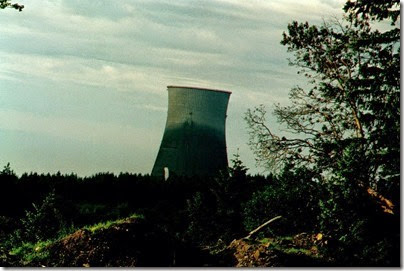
(80, 130)
(223, 43)
(95, 65)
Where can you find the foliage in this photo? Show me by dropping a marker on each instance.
(43, 222)
(218, 205)
(91, 212)
(381, 10)
(7, 171)
(359, 228)
(199, 213)
(29, 252)
(7, 4)
(354, 101)
(109, 223)
(345, 127)
(8, 180)
(293, 195)
(189, 213)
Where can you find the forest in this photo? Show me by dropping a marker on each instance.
(135, 220)
(331, 196)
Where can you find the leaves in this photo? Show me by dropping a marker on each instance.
(344, 127)
(6, 3)
(354, 75)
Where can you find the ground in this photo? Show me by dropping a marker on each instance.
(133, 242)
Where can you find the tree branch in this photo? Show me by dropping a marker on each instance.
(261, 227)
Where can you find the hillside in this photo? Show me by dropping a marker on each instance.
(125, 242)
(132, 242)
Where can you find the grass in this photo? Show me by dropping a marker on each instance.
(266, 240)
(90, 212)
(109, 223)
(287, 247)
(29, 252)
(36, 252)
(299, 251)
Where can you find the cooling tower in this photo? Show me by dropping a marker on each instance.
(194, 140)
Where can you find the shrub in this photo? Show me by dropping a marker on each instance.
(42, 223)
(293, 195)
(362, 234)
(214, 212)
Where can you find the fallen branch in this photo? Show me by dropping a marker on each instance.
(261, 227)
(385, 204)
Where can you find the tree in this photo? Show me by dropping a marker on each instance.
(345, 128)
(43, 222)
(7, 4)
(347, 125)
(7, 171)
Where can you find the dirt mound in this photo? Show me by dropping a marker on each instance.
(299, 250)
(135, 242)
(129, 243)
(252, 255)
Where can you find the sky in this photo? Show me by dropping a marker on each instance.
(83, 83)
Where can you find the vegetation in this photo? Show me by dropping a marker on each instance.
(7, 4)
(345, 129)
(334, 178)
(109, 223)
(132, 220)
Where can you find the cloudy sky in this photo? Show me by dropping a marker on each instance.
(83, 83)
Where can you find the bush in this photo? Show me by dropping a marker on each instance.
(214, 212)
(362, 234)
(8, 180)
(42, 223)
(293, 195)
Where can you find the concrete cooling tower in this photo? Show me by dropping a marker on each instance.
(194, 140)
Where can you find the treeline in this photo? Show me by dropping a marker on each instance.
(202, 212)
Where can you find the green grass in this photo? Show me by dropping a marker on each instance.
(293, 250)
(266, 240)
(109, 223)
(29, 252)
(287, 247)
(36, 252)
(90, 212)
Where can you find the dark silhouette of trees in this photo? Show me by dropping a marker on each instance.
(345, 128)
(7, 4)
(348, 123)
